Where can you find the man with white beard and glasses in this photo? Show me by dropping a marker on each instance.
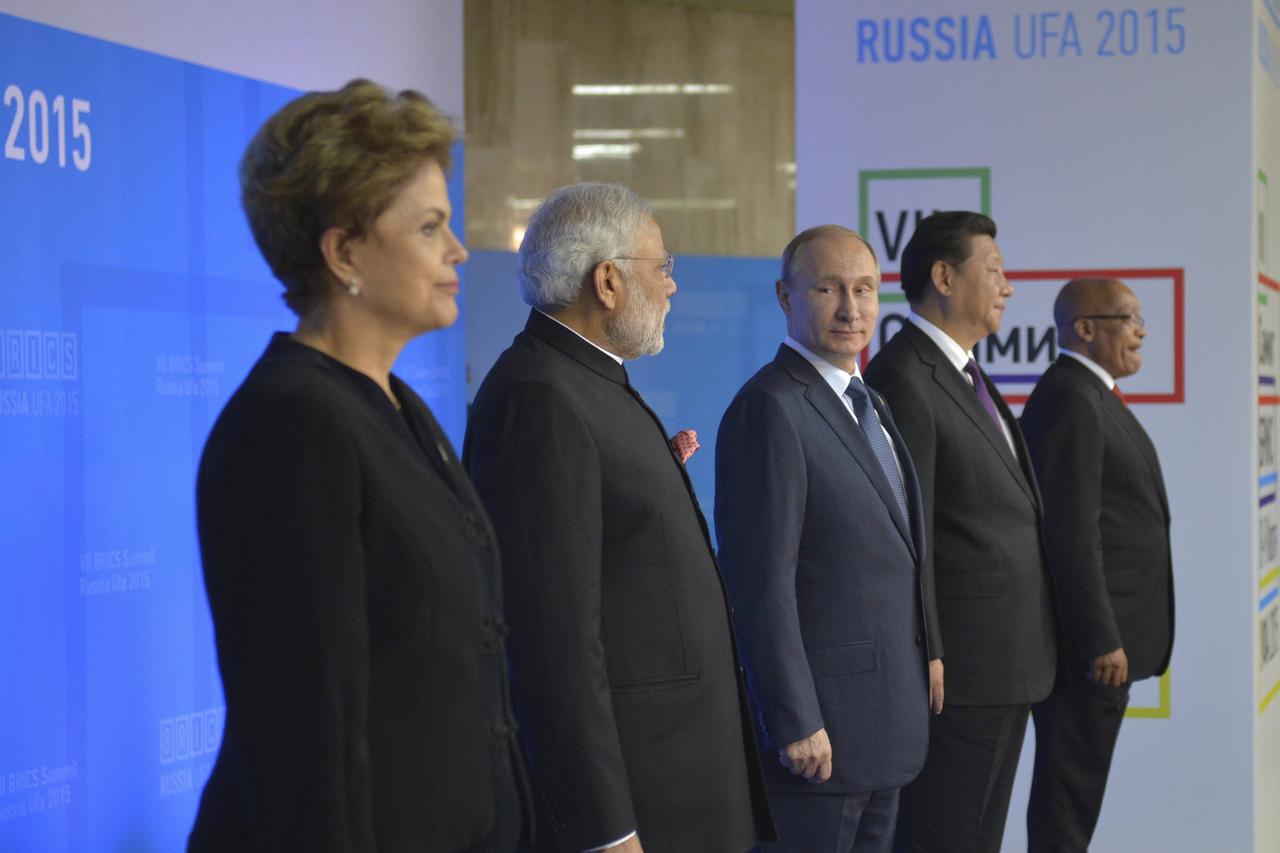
(631, 705)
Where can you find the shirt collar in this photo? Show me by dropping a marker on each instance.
(1097, 369)
(837, 378)
(616, 358)
(952, 350)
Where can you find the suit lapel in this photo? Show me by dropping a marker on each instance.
(915, 501)
(957, 387)
(832, 410)
(1021, 453)
(1128, 422)
(1124, 419)
(437, 453)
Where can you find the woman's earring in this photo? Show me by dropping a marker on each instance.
(353, 288)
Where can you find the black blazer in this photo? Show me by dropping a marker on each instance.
(824, 574)
(1106, 519)
(631, 705)
(355, 589)
(982, 518)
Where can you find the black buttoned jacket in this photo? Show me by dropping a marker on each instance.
(631, 706)
(354, 583)
(1106, 519)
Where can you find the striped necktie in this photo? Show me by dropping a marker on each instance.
(869, 421)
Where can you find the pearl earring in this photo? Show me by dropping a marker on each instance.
(353, 287)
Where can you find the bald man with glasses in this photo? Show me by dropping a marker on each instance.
(1107, 534)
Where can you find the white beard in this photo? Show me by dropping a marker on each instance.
(638, 329)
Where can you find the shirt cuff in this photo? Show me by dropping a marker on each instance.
(630, 835)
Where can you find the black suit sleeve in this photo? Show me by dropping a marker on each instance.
(914, 419)
(278, 508)
(760, 511)
(1068, 455)
(540, 478)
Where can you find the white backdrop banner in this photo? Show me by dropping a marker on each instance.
(1113, 139)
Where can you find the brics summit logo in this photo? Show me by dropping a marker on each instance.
(891, 202)
(36, 354)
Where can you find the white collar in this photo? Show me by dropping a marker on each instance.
(952, 350)
(1097, 369)
(616, 358)
(836, 377)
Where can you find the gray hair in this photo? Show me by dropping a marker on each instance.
(570, 232)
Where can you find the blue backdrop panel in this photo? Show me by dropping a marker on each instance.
(134, 303)
(724, 325)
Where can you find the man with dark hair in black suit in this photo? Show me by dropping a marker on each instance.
(982, 520)
(1107, 532)
(631, 704)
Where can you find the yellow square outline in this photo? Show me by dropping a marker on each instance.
(1271, 694)
(1163, 711)
(1263, 583)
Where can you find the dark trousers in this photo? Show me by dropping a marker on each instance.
(1076, 731)
(959, 802)
(817, 822)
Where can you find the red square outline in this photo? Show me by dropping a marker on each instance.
(1177, 274)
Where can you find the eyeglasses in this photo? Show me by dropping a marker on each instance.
(1133, 319)
(668, 262)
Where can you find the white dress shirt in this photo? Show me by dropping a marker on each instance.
(616, 358)
(1098, 370)
(839, 380)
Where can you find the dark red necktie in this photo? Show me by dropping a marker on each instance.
(1115, 389)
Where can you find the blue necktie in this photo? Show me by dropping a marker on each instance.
(869, 421)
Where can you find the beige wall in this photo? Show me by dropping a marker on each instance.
(719, 165)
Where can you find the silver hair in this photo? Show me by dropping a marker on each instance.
(570, 232)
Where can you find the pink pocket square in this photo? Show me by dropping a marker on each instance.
(685, 443)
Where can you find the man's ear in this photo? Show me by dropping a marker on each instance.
(606, 283)
(784, 296)
(940, 275)
(1085, 330)
(335, 247)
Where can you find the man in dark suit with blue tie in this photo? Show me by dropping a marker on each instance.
(818, 517)
(1107, 531)
(983, 521)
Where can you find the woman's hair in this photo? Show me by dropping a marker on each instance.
(333, 159)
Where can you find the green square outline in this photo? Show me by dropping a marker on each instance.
(1163, 711)
(866, 176)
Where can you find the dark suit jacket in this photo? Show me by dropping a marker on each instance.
(631, 704)
(355, 589)
(824, 575)
(982, 518)
(1106, 519)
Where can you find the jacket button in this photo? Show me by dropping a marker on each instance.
(919, 639)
